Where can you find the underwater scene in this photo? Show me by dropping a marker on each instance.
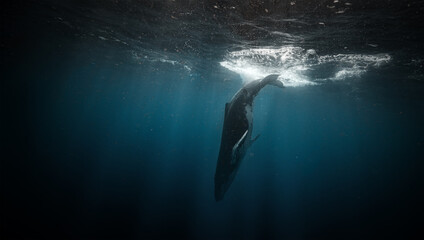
(212, 119)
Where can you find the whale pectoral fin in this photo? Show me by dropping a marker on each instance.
(237, 148)
(256, 138)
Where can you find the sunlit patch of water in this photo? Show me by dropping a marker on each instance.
(298, 66)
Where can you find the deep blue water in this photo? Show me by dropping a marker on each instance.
(113, 112)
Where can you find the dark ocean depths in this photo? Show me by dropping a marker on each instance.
(112, 116)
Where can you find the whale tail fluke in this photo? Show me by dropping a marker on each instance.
(272, 80)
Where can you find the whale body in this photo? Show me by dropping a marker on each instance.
(237, 132)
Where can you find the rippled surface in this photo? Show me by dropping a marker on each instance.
(113, 110)
(183, 31)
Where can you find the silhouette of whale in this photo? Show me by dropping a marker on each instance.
(237, 132)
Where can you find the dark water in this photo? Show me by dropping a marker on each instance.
(112, 115)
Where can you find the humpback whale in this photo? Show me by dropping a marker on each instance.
(237, 132)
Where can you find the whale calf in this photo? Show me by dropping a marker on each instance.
(237, 132)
